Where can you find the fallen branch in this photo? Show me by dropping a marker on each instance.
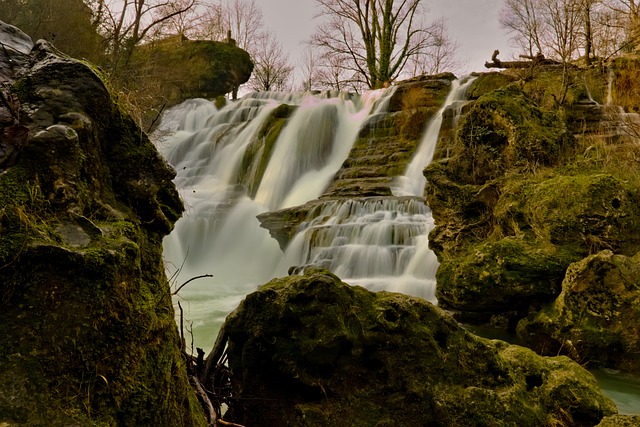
(189, 281)
(227, 423)
(205, 401)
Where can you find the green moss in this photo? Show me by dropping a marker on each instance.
(507, 126)
(488, 82)
(326, 353)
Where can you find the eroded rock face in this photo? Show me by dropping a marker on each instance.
(510, 215)
(596, 317)
(88, 327)
(311, 350)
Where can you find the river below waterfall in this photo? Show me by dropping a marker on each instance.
(379, 244)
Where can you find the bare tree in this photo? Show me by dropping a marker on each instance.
(627, 14)
(244, 19)
(522, 19)
(378, 37)
(438, 57)
(126, 23)
(609, 30)
(335, 73)
(562, 18)
(271, 70)
(184, 24)
(309, 66)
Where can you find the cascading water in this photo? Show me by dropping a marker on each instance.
(412, 183)
(219, 234)
(379, 243)
(371, 242)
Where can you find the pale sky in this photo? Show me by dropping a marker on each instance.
(473, 23)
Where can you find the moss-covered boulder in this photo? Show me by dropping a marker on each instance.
(596, 318)
(86, 318)
(184, 69)
(488, 82)
(312, 350)
(505, 128)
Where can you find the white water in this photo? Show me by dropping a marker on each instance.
(219, 233)
(377, 243)
(412, 183)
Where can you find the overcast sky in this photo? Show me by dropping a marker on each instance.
(473, 23)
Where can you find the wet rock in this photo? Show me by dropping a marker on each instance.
(620, 421)
(311, 350)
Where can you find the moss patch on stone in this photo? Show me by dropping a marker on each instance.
(311, 350)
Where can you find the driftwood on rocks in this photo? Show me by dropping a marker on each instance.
(531, 61)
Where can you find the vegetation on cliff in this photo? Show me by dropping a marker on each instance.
(540, 176)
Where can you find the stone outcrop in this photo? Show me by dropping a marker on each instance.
(528, 189)
(86, 318)
(595, 318)
(184, 69)
(311, 350)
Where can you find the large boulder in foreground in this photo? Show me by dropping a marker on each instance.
(596, 317)
(312, 350)
(86, 318)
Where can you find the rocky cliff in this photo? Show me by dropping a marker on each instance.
(86, 320)
(532, 192)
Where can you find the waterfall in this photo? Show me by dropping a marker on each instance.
(227, 174)
(412, 183)
(379, 243)
(219, 234)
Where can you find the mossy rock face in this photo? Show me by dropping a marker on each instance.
(488, 82)
(311, 350)
(520, 195)
(595, 317)
(193, 68)
(524, 234)
(504, 128)
(506, 275)
(89, 335)
(583, 213)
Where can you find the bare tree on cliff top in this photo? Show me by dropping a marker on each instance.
(378, 36)
(126, 23)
